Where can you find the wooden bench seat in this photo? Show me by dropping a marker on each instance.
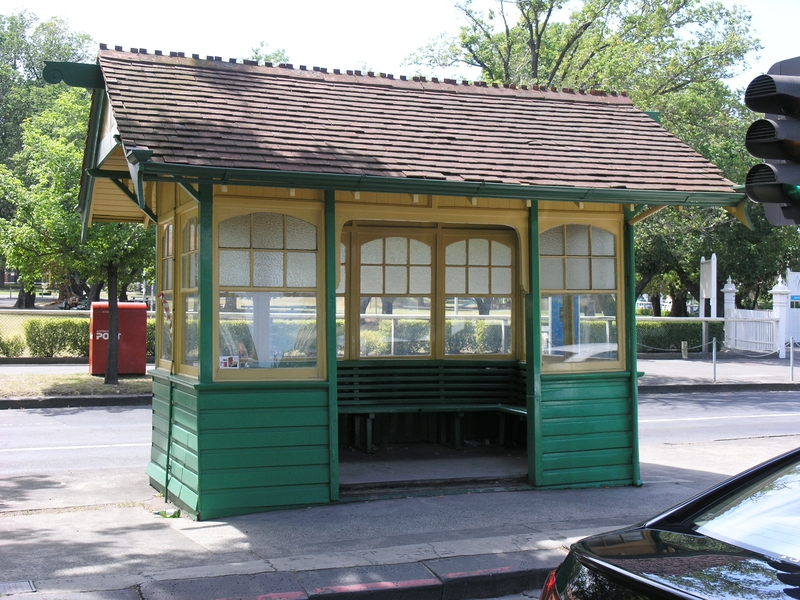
(370, 387)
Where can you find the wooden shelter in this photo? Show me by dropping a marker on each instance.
(349, 257)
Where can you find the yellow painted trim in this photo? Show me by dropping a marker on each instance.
(645, 214)
(740, 212)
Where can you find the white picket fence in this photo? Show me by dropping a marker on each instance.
(752, 331)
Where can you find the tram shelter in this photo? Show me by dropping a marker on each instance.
(357, 258)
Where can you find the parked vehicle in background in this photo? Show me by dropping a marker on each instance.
(739, 539)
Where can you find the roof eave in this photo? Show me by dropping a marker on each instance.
(347, 182)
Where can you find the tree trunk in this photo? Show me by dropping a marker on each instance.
(94, 291)
(25, 300)
(656, 304)
(112, 367)
(484, 305)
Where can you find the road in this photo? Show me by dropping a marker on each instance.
(698, 435)
(59, 457)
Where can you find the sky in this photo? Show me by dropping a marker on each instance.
(373, 35)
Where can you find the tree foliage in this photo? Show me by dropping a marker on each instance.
(24, 46)
(43, 238)
(263, 56)
(671, 56)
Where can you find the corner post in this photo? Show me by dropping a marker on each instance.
(533, 351)
(205, 284)
(331, 271)
(631, 343)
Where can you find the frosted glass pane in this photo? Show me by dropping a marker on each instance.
(552, 273)
(396, 251)
(300, 235)
(456, 254)
(577, 240)
(420, 253)
(167, 277)
(372, 253)
(604, 275)
(478, 280)
(340, 289)
(501, 255)
(551, 242)
(234, 267)
(235, 232)
(268, 269)
(455, 280)
(166, 242)
(602, 242)
(301, 269)
(578, 274)
(185, 271)
(190, 235)
(342, 253)
(396, 280)
(420, 280)
(501, 281)
(189, 268)
(268, 231)
(371, 280)
(479, 252)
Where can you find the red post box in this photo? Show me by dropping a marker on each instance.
(132, 356)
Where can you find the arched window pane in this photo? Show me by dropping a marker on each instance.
(268, 231)
(235, 232)
(577, 240)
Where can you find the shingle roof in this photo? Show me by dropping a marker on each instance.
(190, 111)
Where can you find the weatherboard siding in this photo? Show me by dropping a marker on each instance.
(264, 448)
(241, 448)
(587, 431)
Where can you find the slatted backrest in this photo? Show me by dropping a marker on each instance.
(371, 382)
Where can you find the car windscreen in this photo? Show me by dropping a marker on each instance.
(763, 517)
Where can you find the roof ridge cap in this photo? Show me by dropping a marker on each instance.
(445, 84)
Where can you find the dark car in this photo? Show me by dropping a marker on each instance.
(739, 539)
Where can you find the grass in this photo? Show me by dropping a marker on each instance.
(71, 384)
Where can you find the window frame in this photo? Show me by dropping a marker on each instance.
(309, 211)
(615, 226)
(162, 320)
(355, 233)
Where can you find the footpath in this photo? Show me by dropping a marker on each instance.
(488, 541)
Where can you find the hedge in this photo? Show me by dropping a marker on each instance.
(664, 336)
(45, 338)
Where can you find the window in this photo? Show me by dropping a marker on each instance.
(478, 291)
(190, 242)
(395, 298)
(428, 290)
(165, 276)
(580, 295)
(267, 292)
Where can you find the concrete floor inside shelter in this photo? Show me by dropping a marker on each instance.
(419, 467)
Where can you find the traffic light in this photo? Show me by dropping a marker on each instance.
(776, 138)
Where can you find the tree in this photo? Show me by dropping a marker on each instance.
(24, 46)
(43, 238)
